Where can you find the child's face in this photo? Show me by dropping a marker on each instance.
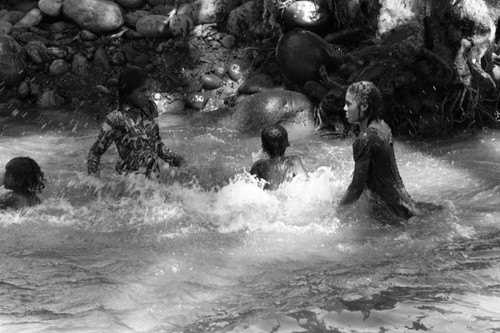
(141, 95)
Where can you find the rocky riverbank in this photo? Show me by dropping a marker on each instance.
(207, 55)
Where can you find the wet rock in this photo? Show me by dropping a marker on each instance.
(27, 37)
(300, 54)
(50, 99)
(255, 83)
(12, 61)
(58, 27)
(57, 52)
(235, 71)
(103, 90)
(5, 27)
(131, 3)
(256, 111)
(306, 15)
(58, 67)
(197, 100)
(153, 26)
(142, 60)
(87, 35)
(38, 52)
(211, 81)
(228, 41)
(50, 7)
(31, 19)
(239, 19)
(101, 59)
(80, 65)
(13, 16)
(181, 25)
(220, 70)
(133, 17)
(95, 15)
(132, 34)
(23, 90)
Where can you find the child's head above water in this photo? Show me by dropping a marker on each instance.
(22, 174)
(274, 140)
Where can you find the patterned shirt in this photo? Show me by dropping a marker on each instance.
(137, 137)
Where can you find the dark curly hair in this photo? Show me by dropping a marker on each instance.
(27, 175)
(274, 140)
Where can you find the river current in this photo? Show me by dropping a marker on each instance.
(205, 249)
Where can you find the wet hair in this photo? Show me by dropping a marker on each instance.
(366, 93)
(129, 80)
(274, 140)
(27, 175)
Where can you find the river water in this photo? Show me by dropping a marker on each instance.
(205, 249)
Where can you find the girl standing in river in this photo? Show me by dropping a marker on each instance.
(375, 168)
(133, 127)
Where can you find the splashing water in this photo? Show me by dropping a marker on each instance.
(205, 249)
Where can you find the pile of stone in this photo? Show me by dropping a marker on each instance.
(49, 45)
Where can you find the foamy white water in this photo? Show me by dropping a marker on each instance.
(207, 250)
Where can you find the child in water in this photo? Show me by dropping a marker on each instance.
(134, 129)
(375, 168)
(278, 168)
(25, 180)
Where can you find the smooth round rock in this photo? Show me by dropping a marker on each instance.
(235, 71)
(220, 70)
(211, 81)
(306, 15)
(197, 100)
(300, 55)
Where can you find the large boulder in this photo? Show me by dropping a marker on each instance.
(300, 55)
(94, 15)
(254, 112)
(12, 61)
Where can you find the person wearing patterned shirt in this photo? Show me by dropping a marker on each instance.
(134, 129)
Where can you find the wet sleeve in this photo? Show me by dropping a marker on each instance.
(100, 146)
(362, 148)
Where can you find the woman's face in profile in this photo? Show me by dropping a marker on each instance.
(353, 111)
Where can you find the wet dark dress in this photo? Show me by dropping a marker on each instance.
(384, 185)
